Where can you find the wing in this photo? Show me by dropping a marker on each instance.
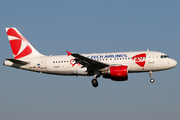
(86, 62)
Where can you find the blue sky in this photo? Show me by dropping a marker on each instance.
(95, 26)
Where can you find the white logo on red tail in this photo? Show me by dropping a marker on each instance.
(19, 45)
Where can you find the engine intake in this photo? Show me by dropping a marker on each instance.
(116, 73)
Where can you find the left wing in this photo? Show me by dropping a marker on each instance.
(86, 62)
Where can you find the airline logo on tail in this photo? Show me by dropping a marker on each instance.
(19, 45)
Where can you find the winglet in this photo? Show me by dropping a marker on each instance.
(69, 53)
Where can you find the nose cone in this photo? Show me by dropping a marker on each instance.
(173, 63)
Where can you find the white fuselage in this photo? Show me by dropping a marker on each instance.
(142, 61)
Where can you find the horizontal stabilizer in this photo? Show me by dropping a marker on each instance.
(15, 61)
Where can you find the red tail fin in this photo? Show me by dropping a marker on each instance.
(19, 45)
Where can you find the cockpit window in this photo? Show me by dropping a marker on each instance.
(164, 56)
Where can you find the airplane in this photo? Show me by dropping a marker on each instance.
(114, 66)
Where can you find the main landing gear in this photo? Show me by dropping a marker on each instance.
(94, 81)
(150, 74)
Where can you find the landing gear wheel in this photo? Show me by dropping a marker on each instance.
(94, 83)
(152, 80)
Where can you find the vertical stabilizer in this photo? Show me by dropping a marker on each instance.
(21, 48)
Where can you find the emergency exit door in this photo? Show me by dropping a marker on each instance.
(43, 63)
(150, 57)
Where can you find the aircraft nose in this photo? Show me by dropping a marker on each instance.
(174, 63)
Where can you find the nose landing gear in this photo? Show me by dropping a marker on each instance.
(150, 74)
(152, 80)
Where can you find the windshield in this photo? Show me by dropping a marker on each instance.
(164, 56)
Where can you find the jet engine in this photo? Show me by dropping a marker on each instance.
(116, 73)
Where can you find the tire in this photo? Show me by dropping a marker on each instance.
(152, 80)
(94, 83)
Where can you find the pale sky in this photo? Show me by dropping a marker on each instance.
(95, 26)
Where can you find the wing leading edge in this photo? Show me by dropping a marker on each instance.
(86, 62)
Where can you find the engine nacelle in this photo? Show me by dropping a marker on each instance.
(116, 73)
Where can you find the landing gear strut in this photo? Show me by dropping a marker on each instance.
(150, 74)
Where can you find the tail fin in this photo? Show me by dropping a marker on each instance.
(21, 48)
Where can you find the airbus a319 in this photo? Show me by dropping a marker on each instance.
(114, 66)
